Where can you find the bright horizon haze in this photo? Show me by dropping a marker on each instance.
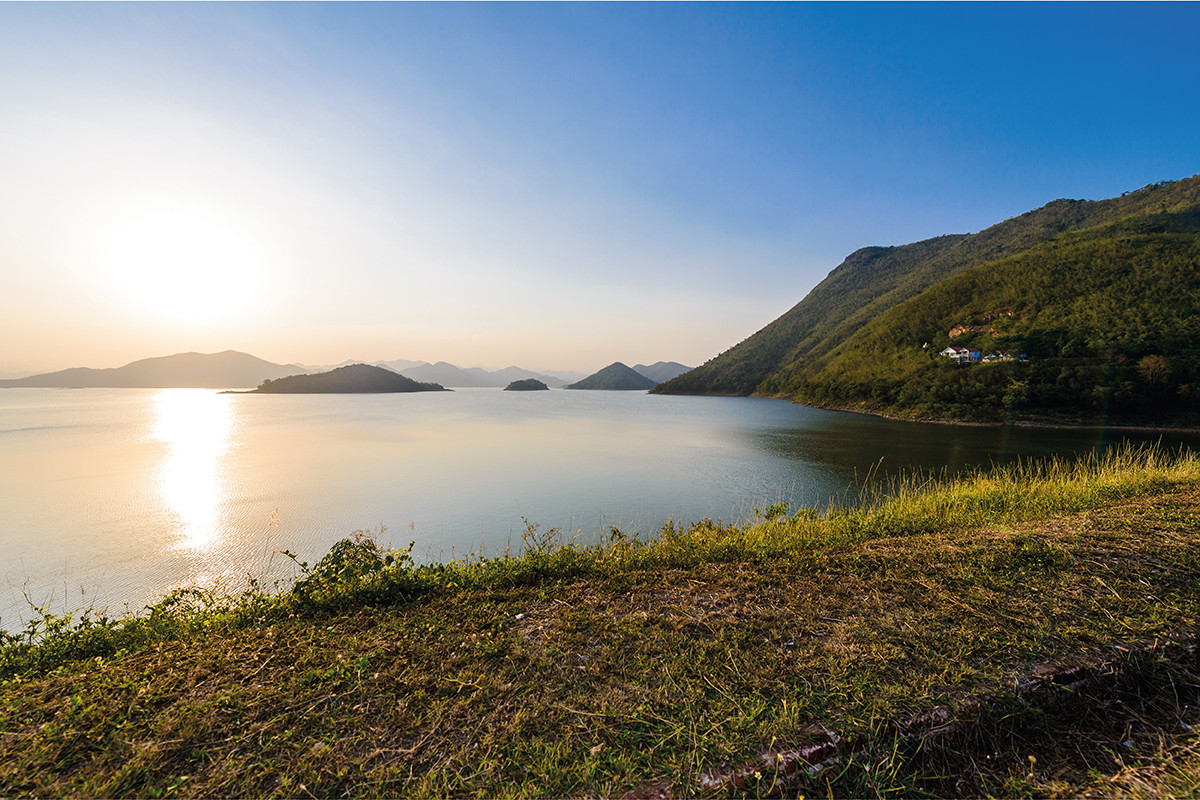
(558, 186)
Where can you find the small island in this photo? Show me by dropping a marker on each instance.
(351, 379)
(527, 385)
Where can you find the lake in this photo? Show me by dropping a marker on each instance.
(109, 498)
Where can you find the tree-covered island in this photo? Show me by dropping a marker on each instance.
(351, 379)
(527, 385)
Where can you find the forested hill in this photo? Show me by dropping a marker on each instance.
(350, 379)
(1098, 325)
(795, 349)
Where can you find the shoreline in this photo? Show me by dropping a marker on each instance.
(1018, 423)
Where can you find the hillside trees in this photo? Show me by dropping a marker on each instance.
(1103, 296)
(1111, 323)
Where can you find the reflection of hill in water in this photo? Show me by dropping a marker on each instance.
(855, 445)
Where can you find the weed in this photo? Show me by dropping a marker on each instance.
(538, 542)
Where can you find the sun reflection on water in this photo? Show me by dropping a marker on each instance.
(195, 424)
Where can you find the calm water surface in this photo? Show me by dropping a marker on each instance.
(111, 498)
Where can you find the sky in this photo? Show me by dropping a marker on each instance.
(557, 186)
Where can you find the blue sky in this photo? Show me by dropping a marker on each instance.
(557, 186)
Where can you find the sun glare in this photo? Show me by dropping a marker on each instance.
(183, 267)
(195, 425)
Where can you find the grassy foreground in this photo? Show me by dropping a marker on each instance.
(1030, 631)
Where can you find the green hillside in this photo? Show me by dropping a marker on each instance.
(1109, 318)
(792, 354)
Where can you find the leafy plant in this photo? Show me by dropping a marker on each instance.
(353, 567)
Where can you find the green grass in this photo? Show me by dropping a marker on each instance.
(575, 670)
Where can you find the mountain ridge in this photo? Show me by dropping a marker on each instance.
(661, 371)
(235, 369)
(228, 368)
(873, 279)
(802, 355)
(1100, 324)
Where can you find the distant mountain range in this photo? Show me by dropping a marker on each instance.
(12, 372)
(232, 369)
(661, 371)
(183, 370)
(450, 375)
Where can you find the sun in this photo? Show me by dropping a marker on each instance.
(182, 266)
